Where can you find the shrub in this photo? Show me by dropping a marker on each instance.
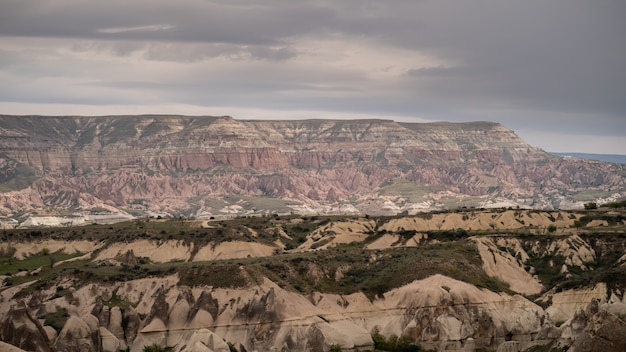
(231, 347)
(157, 348)
(57, 319)
(394, 343)
(335, 348)
(591, 206)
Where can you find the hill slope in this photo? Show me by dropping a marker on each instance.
(215, 166)
(515, 280)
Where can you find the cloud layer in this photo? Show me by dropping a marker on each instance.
(543, 68)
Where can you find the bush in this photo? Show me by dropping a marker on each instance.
(231, 347)
(157, 348)
(591, 206)
(335, 348)
(57, 319)
(394, 343)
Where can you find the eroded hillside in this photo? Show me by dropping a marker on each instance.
(218, 167)
(466, 280)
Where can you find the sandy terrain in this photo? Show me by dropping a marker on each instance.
(505, 267)
(478, 220)
(158, 252)
(24, 249)
(232, 250)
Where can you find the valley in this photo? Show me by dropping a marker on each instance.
(163, 232)
(59, 170)
(461, 280)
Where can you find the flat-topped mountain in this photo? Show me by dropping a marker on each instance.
(216, 166)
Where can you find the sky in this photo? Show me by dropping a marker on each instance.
(554, 71)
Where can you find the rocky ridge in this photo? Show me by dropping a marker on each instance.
(306, 284)
(219, 167)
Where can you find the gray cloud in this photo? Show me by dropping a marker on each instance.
(198, 52)
(193, 20)
(544, 66)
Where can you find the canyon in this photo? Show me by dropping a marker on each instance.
(468, 280)
(118, 233)
(74, 169)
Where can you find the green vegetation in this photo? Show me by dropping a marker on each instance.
(335, 348)
(217, 274)
(57, 319)
(466, 202)
(591, 206)
(231, 347)
(116, 301)
(615, 205)
(260, 204)
(10, 265)
(412, 191)
(157, 348)
(608, 250)
(589, 195)
(344, 269)
(394, 343)
(318, 271)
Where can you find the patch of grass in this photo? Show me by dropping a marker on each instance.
(468, 202)
(116, 301)
(308, 272)
(11, 265)
(215, 274)
(588, 195)
(57, 319)
(260, 204)
(414, 192)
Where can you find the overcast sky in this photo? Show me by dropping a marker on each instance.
(554, 71)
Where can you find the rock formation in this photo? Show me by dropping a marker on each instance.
(437, 313)
(215, 166)
(19, 327)
(342, 281)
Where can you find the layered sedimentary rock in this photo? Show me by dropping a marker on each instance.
(207, 166)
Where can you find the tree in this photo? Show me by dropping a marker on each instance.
(45, 251)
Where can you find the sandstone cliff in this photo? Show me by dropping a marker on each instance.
(215, 166)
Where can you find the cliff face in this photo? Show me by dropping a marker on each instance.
(203, 166)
